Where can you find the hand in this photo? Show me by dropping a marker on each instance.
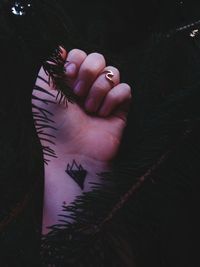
(94, 126)
(86, 134)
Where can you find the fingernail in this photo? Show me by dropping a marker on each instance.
(90, 105)
(79, 87)
(70, 69)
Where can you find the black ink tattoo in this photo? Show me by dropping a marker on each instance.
(77, 173)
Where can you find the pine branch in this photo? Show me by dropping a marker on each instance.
(87, 225)
(141, 180)
(54, 68)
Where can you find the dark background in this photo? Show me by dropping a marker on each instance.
(161, 64)
(134, 35)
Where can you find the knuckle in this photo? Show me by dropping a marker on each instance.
(92, 64)
(120, 93)
(98, 57)
(113, 97)
(126, 88)
(77, 52)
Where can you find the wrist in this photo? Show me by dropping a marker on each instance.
(58, 170)
(63, 159)
(67, 177)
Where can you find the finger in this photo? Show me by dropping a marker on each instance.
(89, 70)
(100, 88)
(43, 78)
(74, 60)
(44, 85)
(117, 101)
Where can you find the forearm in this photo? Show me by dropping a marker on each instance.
(66, 178)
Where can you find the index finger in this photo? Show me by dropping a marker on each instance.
(74, 60)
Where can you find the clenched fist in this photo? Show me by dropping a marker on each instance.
(92, 127)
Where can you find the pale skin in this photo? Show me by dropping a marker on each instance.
(89, 133)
